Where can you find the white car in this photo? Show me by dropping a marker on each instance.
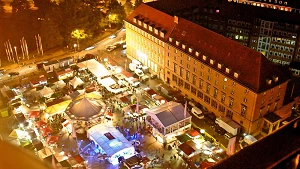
(113, 36)
(139, 72)
(197, 112)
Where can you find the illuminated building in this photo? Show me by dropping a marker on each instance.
(226, 77)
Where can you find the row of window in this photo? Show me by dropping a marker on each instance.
(283, 40)
(238, 30)
(280, 47)
(221, 108)
(283, 55)
(239, 23)
(281, 62)
(236, 37)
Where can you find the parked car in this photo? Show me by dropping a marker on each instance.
(110, 48)
(13, 74)
(113, 36)
(2, 70)
(228, 136)
(220, 130)
(197, 112)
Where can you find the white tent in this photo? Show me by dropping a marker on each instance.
(107, 81)
(46, 92)
(76, 81)
(96, 68)
(111, 141)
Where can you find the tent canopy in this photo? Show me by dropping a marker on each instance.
(52, 139)
(34, 114)
(84, 109)
(107, 81)
(76, 81)
(108, 138)
(47, 130)
(96, 68)
(46, 92)
(169, 113)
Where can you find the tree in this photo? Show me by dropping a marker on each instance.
(19, 6)
(2, 10)
(43, 7)
(128, 7)
(50, 29)
(77, 15)
(137, 3)
(116, 12)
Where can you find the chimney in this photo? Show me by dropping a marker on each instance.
(176, 19)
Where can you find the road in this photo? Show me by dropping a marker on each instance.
(99, 49)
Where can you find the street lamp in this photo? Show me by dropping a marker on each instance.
(75, 47)
(16, 53)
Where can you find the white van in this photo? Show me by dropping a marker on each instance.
(197, 112)
(137, 63)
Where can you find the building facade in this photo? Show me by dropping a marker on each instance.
(224, 76)
(256, 23)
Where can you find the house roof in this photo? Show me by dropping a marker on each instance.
(252, 67)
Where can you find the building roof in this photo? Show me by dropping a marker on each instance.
(110, 146)
(51, 62)
(187, 148)
(252, 68)
(169, 113)
(85, 109)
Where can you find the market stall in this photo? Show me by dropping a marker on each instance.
(111, 142)
(46, 92)
(76, 81)
(168, 121)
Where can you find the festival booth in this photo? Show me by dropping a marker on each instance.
(46, 92)
(150, 92)
(56, 108)
(76, 81)
(111, 142)
(135, 111)
(96, 68)
(167, 121)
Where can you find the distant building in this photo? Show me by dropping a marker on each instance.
(51, 66)
(295, 68)
(38, 80)
(274, 33)
(62, 73)
(66, 62)
(224, 76)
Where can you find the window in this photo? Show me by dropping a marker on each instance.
(223, 96)
(187, 86)
(187, 75)
(181, 71)
(215, 92)
(200, 94)
(174, 78)
(200, 83)
(230, 102)
(180, 82)
(207, 88)
(168, 62)
(243, 110)
(229, 114)
(221, 109)
(232, 92)
(246, 91)
(245, 99)
(214, 104)
(193, 90)
(194, 79)
(175, 67)
(206, 99)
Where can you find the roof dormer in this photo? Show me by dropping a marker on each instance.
(170, 39)
(269, 81)
(211, 61)
(145, 25)
(190, 50)
(236, 74)
(183, 46)
(275, 78)
(204, 57)
(177, 43)
(220, 65)
(197, 53)
(227, 70)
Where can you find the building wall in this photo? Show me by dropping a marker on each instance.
(219, 93)
(146, 48)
